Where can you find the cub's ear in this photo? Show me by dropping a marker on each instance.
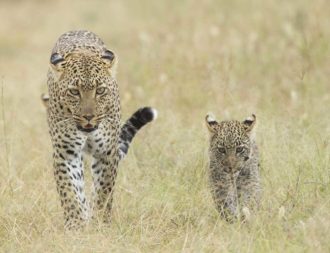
(45, 100)
(249, 123)
(211, 123)
(110, 59)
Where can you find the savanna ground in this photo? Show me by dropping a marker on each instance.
(185, 58)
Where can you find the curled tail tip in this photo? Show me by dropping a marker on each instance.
(154, 113)
(132, 126)
(149, 114)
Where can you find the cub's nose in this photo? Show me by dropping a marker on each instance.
(88, 117)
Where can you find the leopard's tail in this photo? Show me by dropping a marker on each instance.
(139, 119)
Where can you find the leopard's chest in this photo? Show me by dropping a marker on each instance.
(101, 142)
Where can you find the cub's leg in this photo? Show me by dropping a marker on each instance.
(224, 193)
(249, 191)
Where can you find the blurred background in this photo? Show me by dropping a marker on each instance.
(185, 58)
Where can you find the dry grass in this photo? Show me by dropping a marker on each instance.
(185, 58)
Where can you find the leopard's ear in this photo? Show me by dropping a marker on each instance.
(110, 59)
(211, 123)
(57, 63)
(249, 123)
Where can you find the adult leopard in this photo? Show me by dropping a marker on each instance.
(84, 114)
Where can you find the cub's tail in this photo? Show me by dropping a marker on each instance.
(139, 119)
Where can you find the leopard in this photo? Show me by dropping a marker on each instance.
(84, 118)
(234, 167)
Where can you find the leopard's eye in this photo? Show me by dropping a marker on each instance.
(239, 150)
(74, 92)
(222, 150)
(100, 90)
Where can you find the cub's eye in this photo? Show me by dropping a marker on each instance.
(100, 91)
(239, 150)
(74, 92)
(222, 150)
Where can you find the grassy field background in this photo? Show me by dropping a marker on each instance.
(185, 58)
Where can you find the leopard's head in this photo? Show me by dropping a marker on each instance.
(86, 84)
(230, 142)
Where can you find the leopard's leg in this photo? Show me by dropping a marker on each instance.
(105, 151)
(104, 171)
(249, 191)
(69, 177)
(223, 187)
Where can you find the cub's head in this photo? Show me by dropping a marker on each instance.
(230, 142)
(85, 84)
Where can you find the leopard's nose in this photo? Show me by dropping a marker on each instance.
(88, 117)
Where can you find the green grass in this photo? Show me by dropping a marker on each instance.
(185, 58)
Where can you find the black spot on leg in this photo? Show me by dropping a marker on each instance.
(70, 152)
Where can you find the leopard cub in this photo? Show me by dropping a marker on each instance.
(234, 167)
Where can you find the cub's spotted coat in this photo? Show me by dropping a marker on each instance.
(234, 166)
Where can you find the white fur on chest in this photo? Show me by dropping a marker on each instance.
(96, 143)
